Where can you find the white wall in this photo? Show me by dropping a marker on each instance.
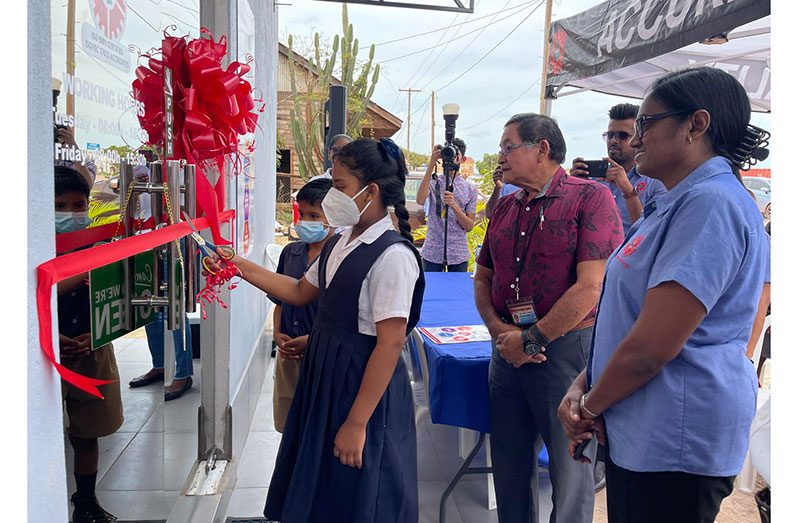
(47, 492)
(249, 307)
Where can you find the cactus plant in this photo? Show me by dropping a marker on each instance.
(307, 113)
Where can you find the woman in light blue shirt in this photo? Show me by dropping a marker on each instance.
(671, 390)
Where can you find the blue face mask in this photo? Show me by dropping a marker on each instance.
(71, 221)
(310, 232)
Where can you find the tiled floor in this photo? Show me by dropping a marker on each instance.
(134, 481)
(437, 463)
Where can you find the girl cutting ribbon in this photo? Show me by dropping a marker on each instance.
(348, 451)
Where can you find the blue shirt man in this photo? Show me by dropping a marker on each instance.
(631, 190)
(707, 235)
(648, 189)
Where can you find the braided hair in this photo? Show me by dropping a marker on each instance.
(383, 163)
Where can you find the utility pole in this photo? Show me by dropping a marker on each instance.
(545, 105)
(70, 56)
(432, 146)
(409, 94)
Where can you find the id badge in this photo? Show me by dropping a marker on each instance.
(522, 311)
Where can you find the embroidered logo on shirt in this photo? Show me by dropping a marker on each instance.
(628, 250)
(641, 187)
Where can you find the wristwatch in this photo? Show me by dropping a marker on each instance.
(531, 346)
(630, 195)
(533, 340)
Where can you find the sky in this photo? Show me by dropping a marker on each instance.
(508, 46)
(488, 62)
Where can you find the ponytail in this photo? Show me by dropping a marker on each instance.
(403, 217)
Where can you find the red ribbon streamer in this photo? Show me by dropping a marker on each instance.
(51, 272)
(69, 241)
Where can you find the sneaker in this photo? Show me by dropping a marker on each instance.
(90, 511)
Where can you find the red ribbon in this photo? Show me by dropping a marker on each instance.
(69, 241)
(212, 107)
(51, 272)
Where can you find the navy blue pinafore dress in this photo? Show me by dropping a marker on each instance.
(309, 484)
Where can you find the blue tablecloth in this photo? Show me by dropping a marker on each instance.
(458, 372)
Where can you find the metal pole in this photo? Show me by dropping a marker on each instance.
(545, 105)
(176, 310)
(432, 113)
(129, 269)
(191, 245)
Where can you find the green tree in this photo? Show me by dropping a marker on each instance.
(307, 113)
(486, 166)
(415, 160)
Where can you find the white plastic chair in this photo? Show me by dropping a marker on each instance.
(272, 256)
(420, 390)
(746, 480)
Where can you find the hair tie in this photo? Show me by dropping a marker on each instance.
(390, 148)
(752, 148)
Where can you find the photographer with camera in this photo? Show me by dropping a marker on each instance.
(631, 190)
(446, 244)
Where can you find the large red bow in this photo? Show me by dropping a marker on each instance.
(213, 106)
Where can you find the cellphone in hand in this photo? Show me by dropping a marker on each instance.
(596, 168)
(580, 449)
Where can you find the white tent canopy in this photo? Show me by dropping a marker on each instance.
(620, 46)
(746, 56)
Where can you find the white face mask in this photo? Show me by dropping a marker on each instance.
(341, 210)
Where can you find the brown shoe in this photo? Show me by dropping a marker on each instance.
(151, 376)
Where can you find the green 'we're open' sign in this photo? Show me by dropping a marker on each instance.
(106, 287)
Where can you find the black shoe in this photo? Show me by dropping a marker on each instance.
(145, 379)
(90, 511)
(173, 395)
(599, 478)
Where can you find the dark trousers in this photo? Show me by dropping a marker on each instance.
(438, 267)
(663, 497)
(523, 404)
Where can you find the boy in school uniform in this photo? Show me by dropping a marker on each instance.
(292, 325)
(90, 418)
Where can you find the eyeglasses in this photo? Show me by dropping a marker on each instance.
(622, 136)
(505, 150)
(641, 122)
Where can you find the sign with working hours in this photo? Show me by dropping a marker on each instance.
(107, 298)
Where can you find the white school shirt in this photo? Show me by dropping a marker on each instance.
(387, 291)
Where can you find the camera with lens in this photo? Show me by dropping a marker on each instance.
(449, 150)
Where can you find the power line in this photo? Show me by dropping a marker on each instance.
(492, 49)
(451, 40)
(144, 19)
(431, 51)
(440, 72)
(405, 38)
(536, 82)
(440, 53)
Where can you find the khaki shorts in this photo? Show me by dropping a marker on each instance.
(286, 376)
(89, 416)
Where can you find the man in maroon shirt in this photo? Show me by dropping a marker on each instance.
(537, 284)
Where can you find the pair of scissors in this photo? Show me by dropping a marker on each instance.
(207, 248)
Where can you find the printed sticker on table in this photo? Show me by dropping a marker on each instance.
(458, 334)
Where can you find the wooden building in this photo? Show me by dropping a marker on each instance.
(381, 122)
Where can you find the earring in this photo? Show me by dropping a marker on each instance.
(689, 139)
